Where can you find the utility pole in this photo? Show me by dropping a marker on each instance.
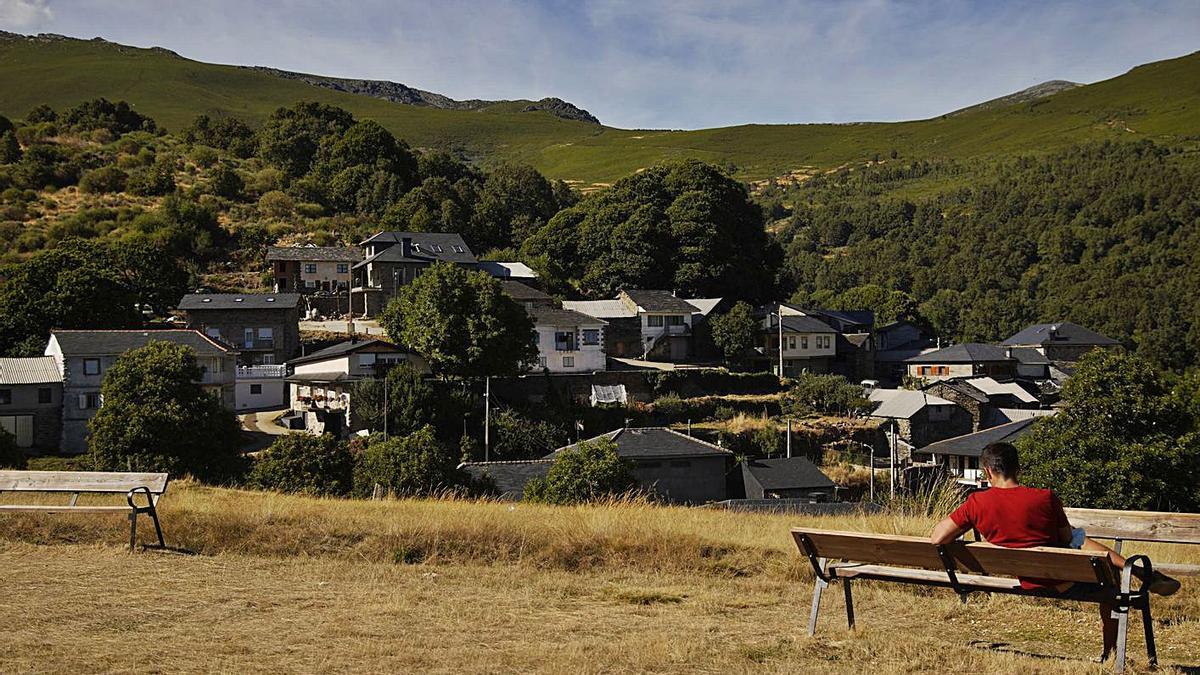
(779, 316)
(487, 418)
(895, 435)
(385, 408)
(789, 438)
(871, 462)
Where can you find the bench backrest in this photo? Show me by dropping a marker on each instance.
(81, 481)
(968, 558)
(1169, 528)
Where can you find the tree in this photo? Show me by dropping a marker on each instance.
(588, 471)
(943, 311)
(291, 136)
(224, 181)
(1121, 440)
(516, 436)
(417, 464)
(827, 394)
(303, 463)
(41, 113)
(11, 456)
(153, 181)
(10, 149)
(412, 403)
(227, 133)
(119, 118)
(155, 416)
(461, 322)
(515, 202)
(103, 180)
(735, 332)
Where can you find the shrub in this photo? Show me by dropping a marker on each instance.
(11, 457)
(519, 437)
(828, 394)
(152, 181)
(276, 203)
(204, 156)
(102, 180)
(314, 465)
(224, 181)
(589, 471)
(411, 465)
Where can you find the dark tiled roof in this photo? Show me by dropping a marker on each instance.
(659, 301)
(787, 473)
(961, 387)
(315, 253)
(972, 445)
(107, 342)
(971, 352)
(509, 477)
(651, 442)
(797, 324)
(554, 316)
(1062, 333)
(522, 293)
(1030, 357)
(426, 247)
(194, 301)
(341, 349)
(846, 317)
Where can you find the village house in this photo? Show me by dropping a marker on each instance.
(1062, 341)
(895, 343)
(527, 296)
(393, 260)
(808, 344)
(320, 388)
(983, 398)
(31, 401)
(511, 271)
(82, 357)
(568, 341)
(263, 327)
(959, 455)
(971, 359)
(647, 324)
(916, 418)
(308, 269)
(786, 478)
(681, 469)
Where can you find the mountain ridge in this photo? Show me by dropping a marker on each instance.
(1026, 95)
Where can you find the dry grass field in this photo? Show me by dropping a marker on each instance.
(281, 583)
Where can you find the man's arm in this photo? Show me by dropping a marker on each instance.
(946, 531)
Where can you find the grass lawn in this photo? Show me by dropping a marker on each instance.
(280, 583)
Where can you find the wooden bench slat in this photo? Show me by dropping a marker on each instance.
(1163, 527)
(81, 481)
(62, 508)
(1178, 569)
(907, 574)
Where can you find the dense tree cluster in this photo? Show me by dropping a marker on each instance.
(1102, 235)
(588, 471)
(687, 227)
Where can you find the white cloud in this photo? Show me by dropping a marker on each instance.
(24, 14)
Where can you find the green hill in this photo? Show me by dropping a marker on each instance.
(1159, 100)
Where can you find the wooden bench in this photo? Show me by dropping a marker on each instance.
(1146, 526)
(970, 568)
(150, 486)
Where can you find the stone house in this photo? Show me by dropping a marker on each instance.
(648, 324)
(263, 327)
(83, 357)
(971, 359)
(1061, 341)
(918, 418)
(809, 344)
(393, 260)
(308, 269)
(31, 401)
(959, 455)
(983, 397)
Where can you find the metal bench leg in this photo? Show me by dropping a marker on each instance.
(818, 586)
(157, 527)
(1148, 625)
(849, 603)
(133, 530)
(1122, 616)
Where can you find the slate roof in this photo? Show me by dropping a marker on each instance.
(654, 442)
(797, 324)
(341, 349)
(315, 253)
(972, 445)
(861, 317)
(1061, 333)
(659, 301)
(601, 309)
(427, 247)
(902, 403)
(991, 387)
(194, 301)
(554, 316)
(110, 342)
(34, 370)
(787, 473)
(704, 306)
(970, 352)
(522, 293)
(1030, 357)
(509, 477)
(960, 386)
(507, 270)
(1006, 415)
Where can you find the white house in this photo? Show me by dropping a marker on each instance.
(808, 343)
(568, 341)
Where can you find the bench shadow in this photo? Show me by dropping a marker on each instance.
(154, 548)
(1007, 648)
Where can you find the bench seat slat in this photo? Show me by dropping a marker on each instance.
(1154, 526)
(80, 481)
(1178, 569)
(62, 508)
(907, 574)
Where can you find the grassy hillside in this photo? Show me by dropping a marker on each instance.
(283, 583)
(1159, 100)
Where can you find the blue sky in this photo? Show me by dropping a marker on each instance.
(668, 64)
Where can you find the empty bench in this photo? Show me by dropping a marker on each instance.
(970, 568)
(1143, 526)
(146, 488)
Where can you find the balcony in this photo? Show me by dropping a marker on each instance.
(257, 344)
(261, 372)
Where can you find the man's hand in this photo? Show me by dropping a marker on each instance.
(946, 532)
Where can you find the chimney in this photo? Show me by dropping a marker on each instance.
(1008, 353)
(406, 246)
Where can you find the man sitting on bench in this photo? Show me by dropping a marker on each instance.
(1014, 516)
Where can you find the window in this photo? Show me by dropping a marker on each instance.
(458, 249)
(791, 342)
(675, 320)
(268, 360)
(803, 342)
(45, 395)
(248, 336)
(541, 362)
(5, 396)
(564, 341)
(568, 362)
(255, 389)
(343, 268)
(213, 333)
(310, 268)
(266, 334)
(218, 365)
(366, 360)
(91, 366)
(654, 320)
(591, 336)
(310, 283)
(90, 401)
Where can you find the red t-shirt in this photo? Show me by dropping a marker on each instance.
(1016, 517)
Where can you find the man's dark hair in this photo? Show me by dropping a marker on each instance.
(1001, 459)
